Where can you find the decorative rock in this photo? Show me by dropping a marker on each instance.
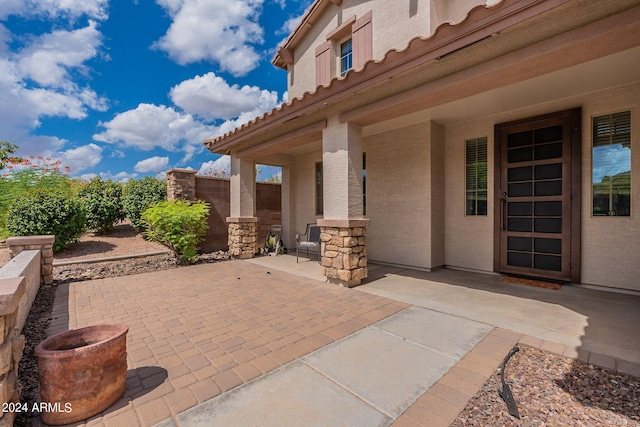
(344, 255)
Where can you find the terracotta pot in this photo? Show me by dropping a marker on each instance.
(82, 372)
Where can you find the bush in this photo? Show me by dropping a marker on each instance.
(41, 212)
(102, 204)
(138, 195)
(180, 225)
(15, 183)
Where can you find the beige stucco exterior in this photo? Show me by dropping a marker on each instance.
(418, 17)
(412, 126)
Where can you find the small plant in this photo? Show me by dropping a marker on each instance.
(138, 195)
(179, 225)
(42, 212)
(102, 204)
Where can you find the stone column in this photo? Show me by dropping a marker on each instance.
(42, 243)
(344, 250)
(343, 228)
(243, 237)
(181, 184)
(242, 223)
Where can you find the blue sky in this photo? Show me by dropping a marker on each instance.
(129, 88)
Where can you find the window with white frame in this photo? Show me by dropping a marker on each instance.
(611, 165)
(476, 177)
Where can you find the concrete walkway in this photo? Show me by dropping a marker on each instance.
(267, 342)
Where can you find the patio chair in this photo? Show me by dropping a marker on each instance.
(311, 240)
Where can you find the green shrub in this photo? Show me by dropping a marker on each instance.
(138, 195)
(102, 204)
(16, 183)
(180, 225)
(41, 212)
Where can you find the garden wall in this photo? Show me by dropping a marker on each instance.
(20, 280)
(184, 184)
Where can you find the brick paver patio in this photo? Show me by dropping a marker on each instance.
(197, 332)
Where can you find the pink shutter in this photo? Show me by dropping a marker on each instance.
(362, 40)
(323, 64)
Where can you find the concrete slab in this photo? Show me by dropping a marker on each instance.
(385, 370)
(449, 335)
(292, 395)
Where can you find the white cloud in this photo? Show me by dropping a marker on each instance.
(151, 126)
(81, 158)
(120, 176)
(35, 82)
(212, 97)
(221, 31)
(152, 164)
(49, 57)
(221, 167)
(96, 9)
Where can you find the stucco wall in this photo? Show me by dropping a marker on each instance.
(412, 19)
(303, 192)
(26, 264)
(398, 199)
(610, 255)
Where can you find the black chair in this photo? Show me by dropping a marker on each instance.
(311, 240)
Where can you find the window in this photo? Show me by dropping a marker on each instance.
(346, 57)
(319, 201)
(476, 176)
(364, 183)
(611, 165)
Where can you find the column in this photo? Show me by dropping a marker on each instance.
(242, 222)
(343, 228)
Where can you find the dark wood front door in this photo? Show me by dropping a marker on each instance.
(537, 197)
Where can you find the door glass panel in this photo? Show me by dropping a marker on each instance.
(549, 134)
(520, 209)
(548, 151)
(519, 244)
(520, 190)
(549, 246)
(548, 188)
(547, 262)
(553, 171)
(548, 225)
(518, 259)
(520, 155)
(548, 208)
(519, 224)
(520, 174)
(520, 139)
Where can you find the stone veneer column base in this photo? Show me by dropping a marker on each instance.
(42, 243)
(243, 236)
(344, 250)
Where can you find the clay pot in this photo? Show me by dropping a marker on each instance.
(82, 372)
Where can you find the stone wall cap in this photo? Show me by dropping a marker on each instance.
(31, 240)
(344, 223)
(11, 290)
(180, 170)
(242, 219)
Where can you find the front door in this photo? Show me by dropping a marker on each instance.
(537, 197)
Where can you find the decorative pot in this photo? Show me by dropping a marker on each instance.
(82, 372)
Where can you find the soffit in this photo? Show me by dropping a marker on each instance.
(405, 72)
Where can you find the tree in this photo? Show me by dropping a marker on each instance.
(6, 148)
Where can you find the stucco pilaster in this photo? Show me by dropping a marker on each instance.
(342, 170)
(242, 188)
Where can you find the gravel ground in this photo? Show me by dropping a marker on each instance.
(550, 390)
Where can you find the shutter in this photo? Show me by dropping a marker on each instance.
(323, 64)
(612, 129)
(362, 41)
